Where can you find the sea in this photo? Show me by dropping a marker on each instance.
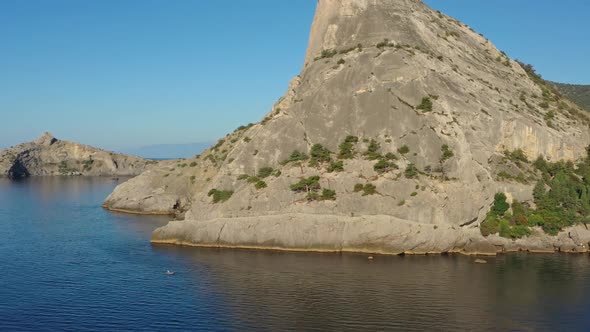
(67, 264)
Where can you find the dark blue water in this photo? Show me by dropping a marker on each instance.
(68, 265)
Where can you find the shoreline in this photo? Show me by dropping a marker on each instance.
(356, 251)
(141, 213)
(384, 235)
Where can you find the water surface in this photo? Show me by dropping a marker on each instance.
(67, 264)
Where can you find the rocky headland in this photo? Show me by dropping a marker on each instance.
(49, 156)
(397, 136)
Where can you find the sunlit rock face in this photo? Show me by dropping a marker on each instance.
(48, 156)
(405, 77)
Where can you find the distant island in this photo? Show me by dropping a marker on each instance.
(405, 132)
(49, 156)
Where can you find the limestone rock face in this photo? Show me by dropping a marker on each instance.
(47, 156)
(371, 70)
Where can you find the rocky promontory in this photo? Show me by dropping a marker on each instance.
(397, 136)
(47, 156)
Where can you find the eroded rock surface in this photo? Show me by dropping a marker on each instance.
(371, 70)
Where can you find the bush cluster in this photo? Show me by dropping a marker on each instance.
(295, 157)
(347, 147)
(319, 154)
(510, 225)
(367, 189)
(311, 186)
(425, 105)
(220, 196)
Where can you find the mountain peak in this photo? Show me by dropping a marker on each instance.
(46, 139)
(346, 23)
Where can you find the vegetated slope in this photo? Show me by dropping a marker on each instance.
(396, 136)
(50, 156)
(579, 94)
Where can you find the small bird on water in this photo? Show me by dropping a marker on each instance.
(170, 273)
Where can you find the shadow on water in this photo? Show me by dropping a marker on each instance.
(348, 291)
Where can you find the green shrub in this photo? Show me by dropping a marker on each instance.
(414, 194)
(328, 195)
(240, 128)
(549, 116)
(347, 147)
(425, 105)
(243, 177)
(220, 196)
(513, 232)
(265, 172)
(404, 149)
(384, 166)
(372, 152)
(447, 153)
(312, 183)
(326, 54)
(390, 156)
(260, 184)
(411, 171)
(277, 173)
(294, 157)
(219, 144)
(358, 187)
(500, 205)
(490, 225)
(336, 166)
(517, 155)
(369, 189)
(193, 164)
(341, 62)
(253, 179)
(319, 154)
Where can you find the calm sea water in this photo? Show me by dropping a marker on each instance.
(68, 265)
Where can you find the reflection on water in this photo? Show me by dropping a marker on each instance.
(69, 265)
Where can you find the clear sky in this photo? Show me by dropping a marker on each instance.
(126, 73)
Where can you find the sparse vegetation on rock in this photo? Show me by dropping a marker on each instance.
(220, 196)
(426, 105)
(347, 147)
(295, 156)
(319, 154)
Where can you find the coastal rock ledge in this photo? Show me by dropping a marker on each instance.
(365, 234)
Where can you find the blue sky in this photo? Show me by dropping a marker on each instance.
(126, 73)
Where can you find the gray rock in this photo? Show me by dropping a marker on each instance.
(481, 107)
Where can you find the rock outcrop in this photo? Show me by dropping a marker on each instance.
(416, 110)
(48, 156)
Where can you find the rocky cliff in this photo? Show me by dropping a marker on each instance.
(48, 155)
(394, 138)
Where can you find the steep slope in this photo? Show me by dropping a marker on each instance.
(50, 156)
(579, 94)
(406, 115)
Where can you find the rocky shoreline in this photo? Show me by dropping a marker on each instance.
(367, 234)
